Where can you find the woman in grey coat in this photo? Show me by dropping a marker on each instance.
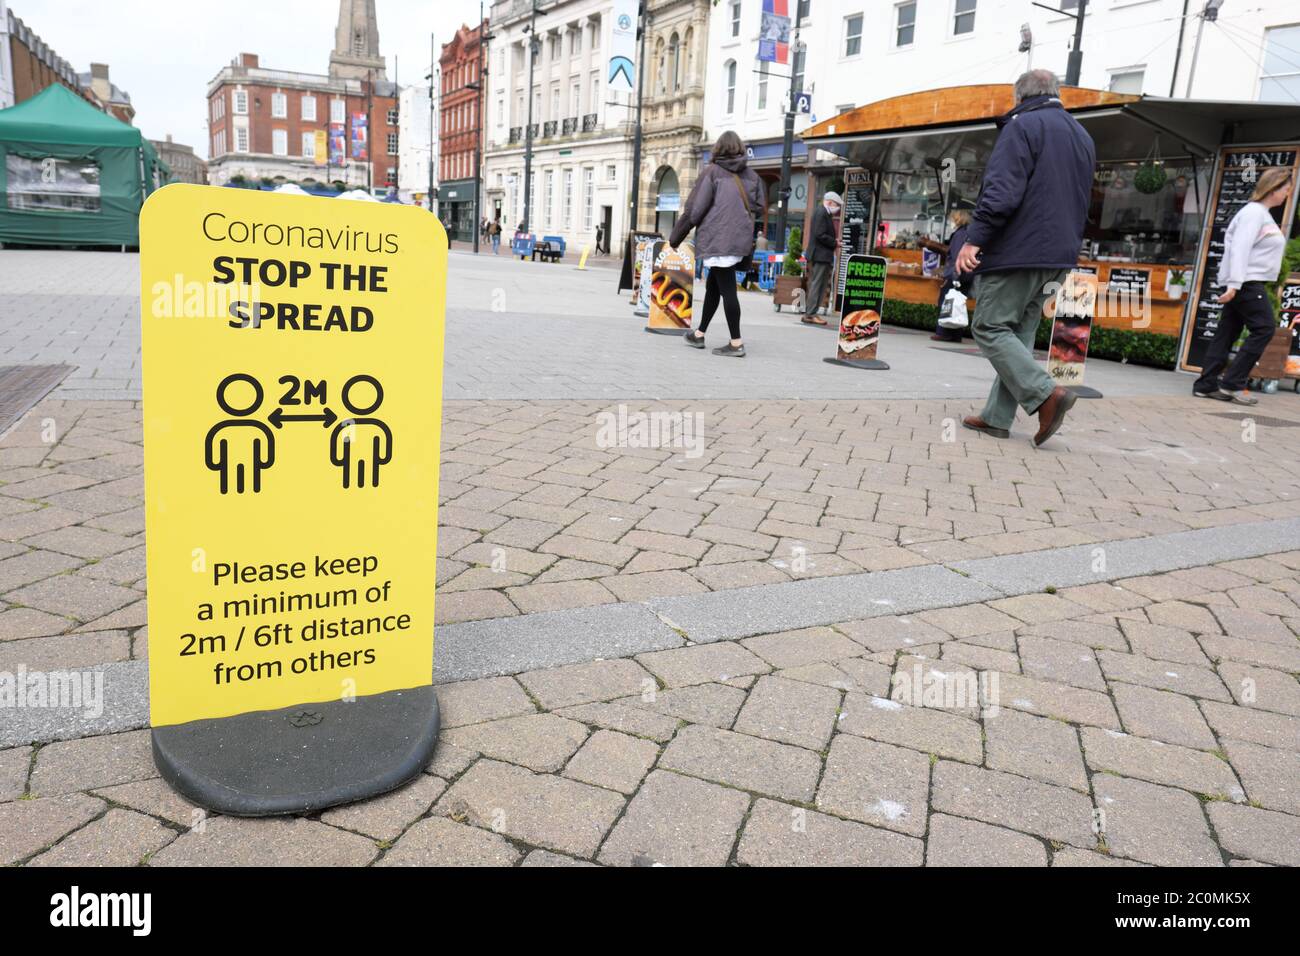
(721, 210)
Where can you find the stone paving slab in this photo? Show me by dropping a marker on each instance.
(710, 754)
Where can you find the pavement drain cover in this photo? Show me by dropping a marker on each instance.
(22, 386)
(1258, 419)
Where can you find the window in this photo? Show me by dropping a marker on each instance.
(853, 35)
(729, 75)
(1279, 80)
(905, 24)
(762, 84)
(1127, 81)
(309, 145)
(548, 204)
(501, 110)
(279, 105)
(611, 173)
(674, 63)
(280, 142)
(963, 17)
(241, 102)
(337, 108)
(392, 144)
(575, 99)
(309, 109)
(595, 92)
(392, 117)
(735, 19)
(241, 139)
(588, 196)
(391, 178)
(568, 199)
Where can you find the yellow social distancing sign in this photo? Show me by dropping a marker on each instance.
(293, 354)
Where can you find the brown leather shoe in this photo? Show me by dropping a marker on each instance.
(1052, 412)
(977, 424)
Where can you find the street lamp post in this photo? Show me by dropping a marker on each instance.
(534, 48)
(643, 25)
(433, 70)
(787, 146)
(1210, 13)
(1074, 64)
(481, 90)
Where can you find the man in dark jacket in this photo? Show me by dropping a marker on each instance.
(820, 252)
(1023, 239)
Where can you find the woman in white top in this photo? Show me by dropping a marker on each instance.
(1252, 256)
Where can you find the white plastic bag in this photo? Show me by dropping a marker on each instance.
(953, 314)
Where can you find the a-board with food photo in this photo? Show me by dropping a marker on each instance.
(641, 244)
(645, 269)
(672, 289)
(1075, 305)
(861, 305)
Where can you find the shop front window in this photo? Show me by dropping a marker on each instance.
(1146, 212)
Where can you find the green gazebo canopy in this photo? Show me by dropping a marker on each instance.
(72, 175)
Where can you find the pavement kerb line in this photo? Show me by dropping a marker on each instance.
(498, 647)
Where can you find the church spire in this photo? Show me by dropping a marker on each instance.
(356, 42)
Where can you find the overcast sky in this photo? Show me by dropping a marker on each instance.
(165, 59)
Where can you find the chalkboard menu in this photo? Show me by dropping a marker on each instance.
(1239, 169)
(855, 221)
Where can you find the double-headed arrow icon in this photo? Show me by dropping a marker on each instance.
(278, 418)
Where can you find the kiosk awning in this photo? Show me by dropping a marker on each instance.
(919, 129)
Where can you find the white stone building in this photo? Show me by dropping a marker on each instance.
(417, 164)
(862, 51)
(582, 139)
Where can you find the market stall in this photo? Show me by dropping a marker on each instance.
(71, 175)
(1168, 172)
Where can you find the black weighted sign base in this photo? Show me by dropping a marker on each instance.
(1083, 391)
(303, 758)
(858, 363)
(667, 331)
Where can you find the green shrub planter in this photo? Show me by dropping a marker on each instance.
(1118, 345)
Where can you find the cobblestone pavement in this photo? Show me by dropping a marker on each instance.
(1156, 722)
(1145, 718)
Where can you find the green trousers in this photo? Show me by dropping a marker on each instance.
(1008, 307)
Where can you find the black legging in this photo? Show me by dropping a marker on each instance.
(721, 285)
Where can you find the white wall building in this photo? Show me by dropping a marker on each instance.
(416, 144)
(862, 51)
(582, 141)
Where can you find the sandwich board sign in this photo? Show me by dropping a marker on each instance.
(672, 289)
(1075, 305)
(292, 351)
(861, 304)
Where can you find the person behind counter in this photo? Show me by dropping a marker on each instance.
(1252, 257)
(959, 219)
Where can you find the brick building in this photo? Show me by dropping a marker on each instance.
(460, 130)
(28, 65)
(268, 124)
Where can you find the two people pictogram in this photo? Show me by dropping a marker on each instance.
(242, 447)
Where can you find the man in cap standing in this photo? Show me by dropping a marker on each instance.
(823, 240)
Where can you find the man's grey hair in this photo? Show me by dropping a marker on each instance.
(1037, 83)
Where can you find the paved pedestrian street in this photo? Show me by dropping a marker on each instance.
(685, 621)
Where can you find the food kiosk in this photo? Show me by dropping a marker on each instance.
(1170, 173)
